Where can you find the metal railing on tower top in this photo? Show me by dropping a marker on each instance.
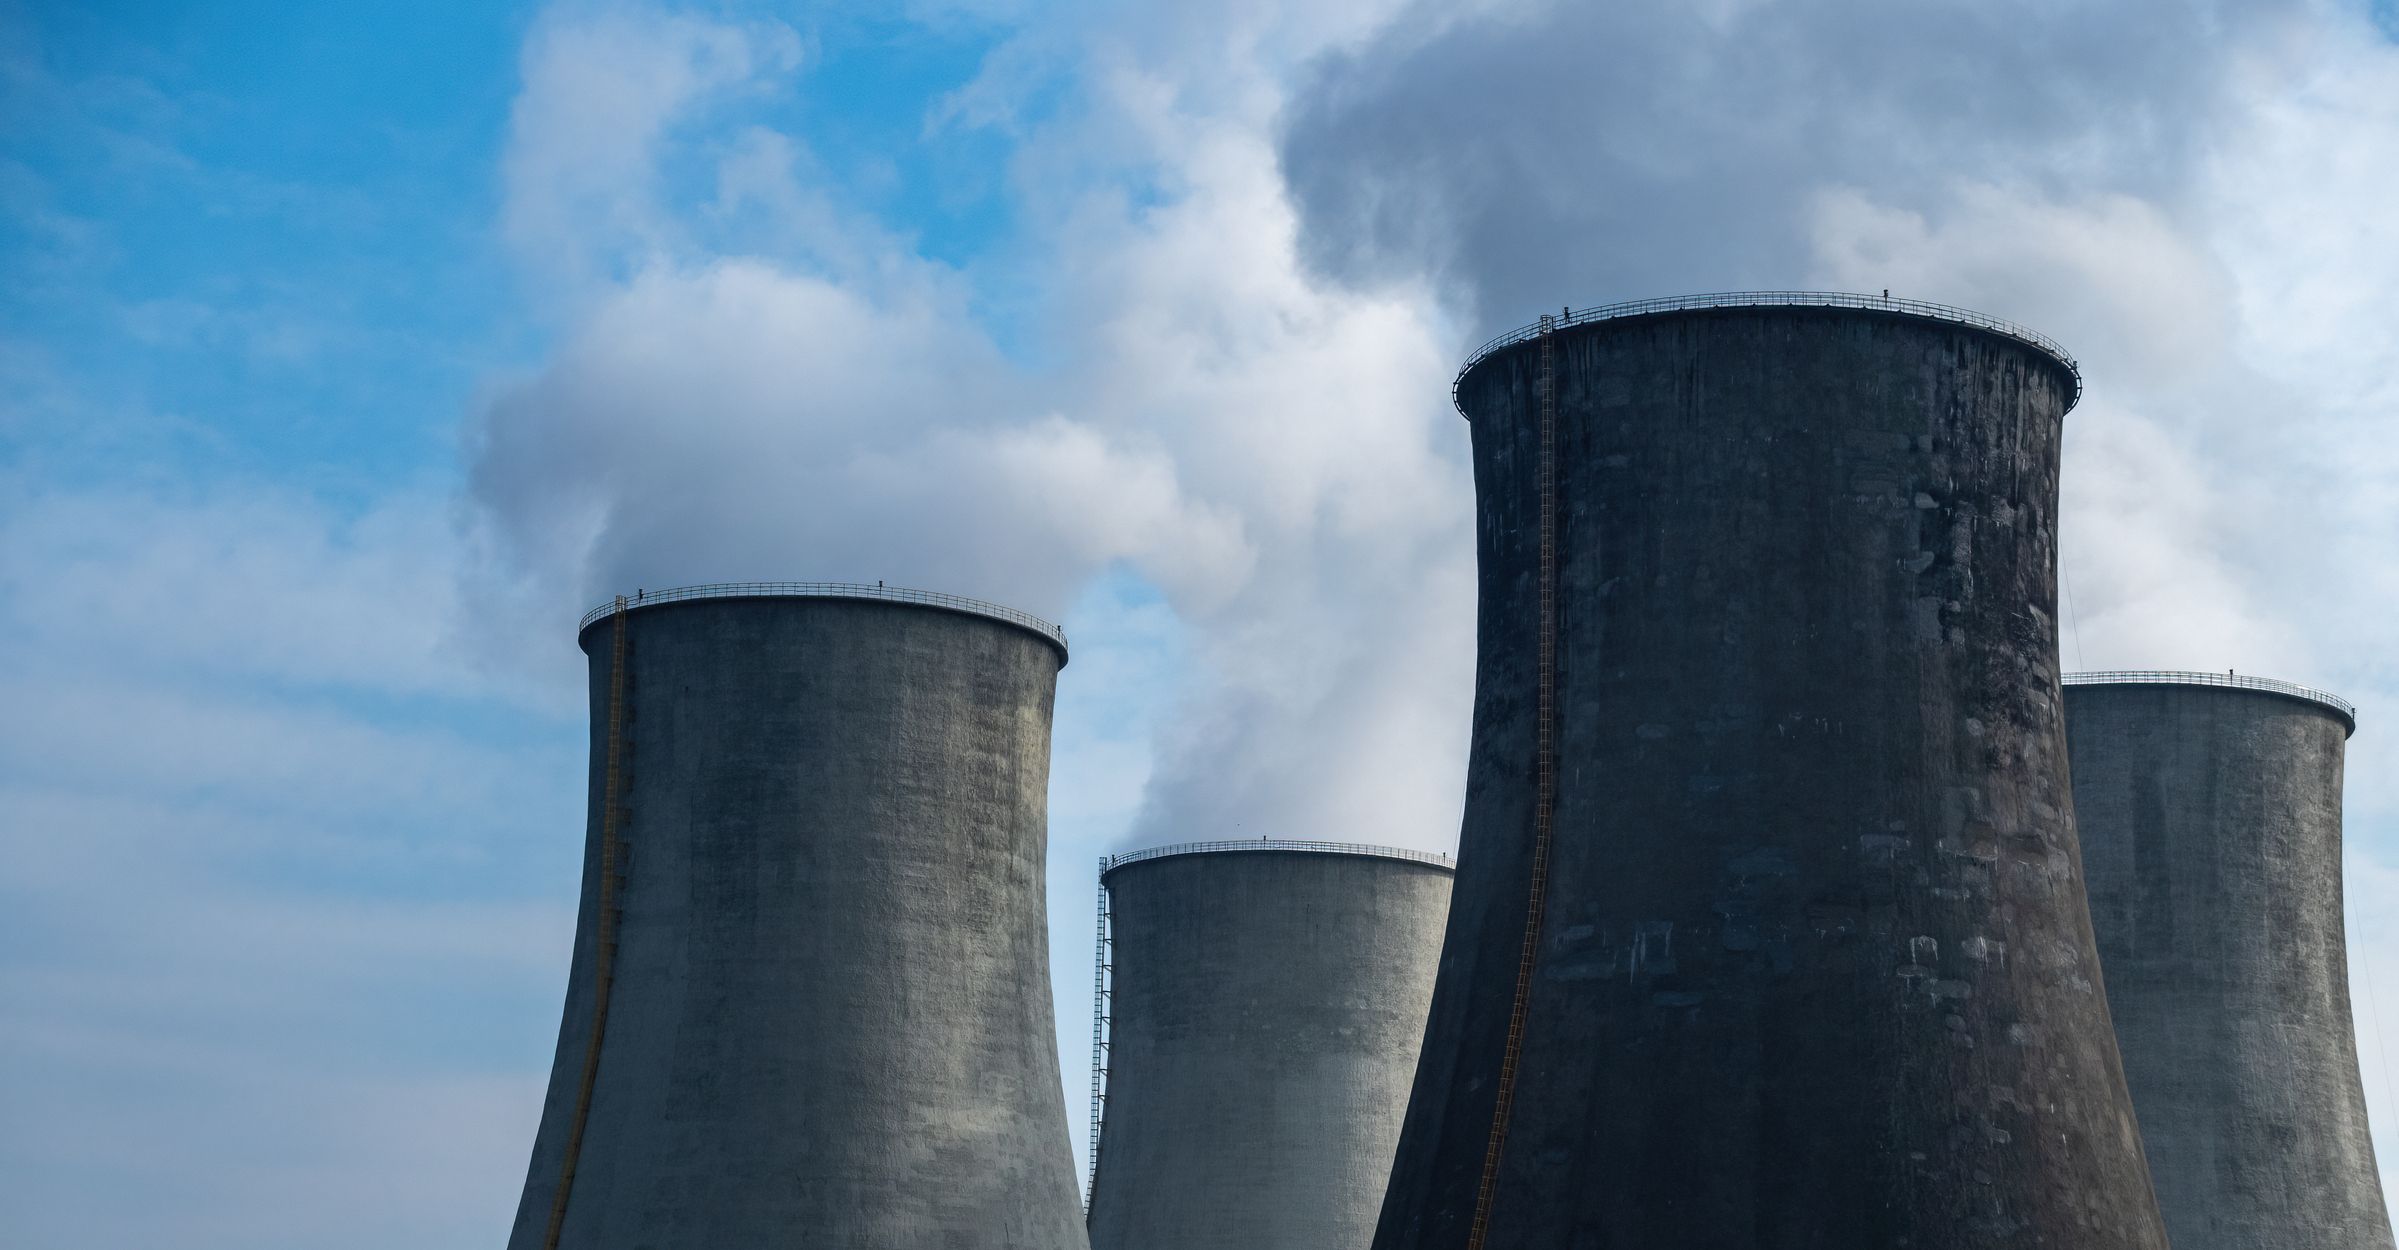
(1774, 299)
(828, 590)
(1109, 863)
(2225, 680)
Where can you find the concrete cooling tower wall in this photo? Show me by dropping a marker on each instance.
(810, 1000)
(2210, 808)
(1769, 930)
(1268, 1003)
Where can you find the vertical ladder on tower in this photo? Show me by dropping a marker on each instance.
(1099, 1036)
(1545, 785)
(604, 926)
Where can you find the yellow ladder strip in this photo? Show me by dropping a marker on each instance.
(1545, 789)
(604, 954)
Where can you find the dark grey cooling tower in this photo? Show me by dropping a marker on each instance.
(1269, 998)
(1769, 928)
(810, 1001)
(2210, 808)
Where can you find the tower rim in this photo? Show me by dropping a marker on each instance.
(2342, 709)
(1364, 850)
(854, 591)
(1910, 309)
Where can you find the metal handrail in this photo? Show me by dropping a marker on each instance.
(1102, 947)
(828, 590)
(1773, 299)
(2228, 681)
(1110, 863)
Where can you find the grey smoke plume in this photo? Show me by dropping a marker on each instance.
(1235, 380)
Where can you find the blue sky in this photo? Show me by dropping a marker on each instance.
(348, 352)
(272, 225)
(229, 202)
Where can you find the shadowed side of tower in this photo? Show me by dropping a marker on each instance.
(2210, 809)
(827, 1014)
(1268, 1002)
(1767, 649)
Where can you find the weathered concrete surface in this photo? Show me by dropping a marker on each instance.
(831, 1023)
(2211, 823)
(1267, 1010)
(1817, 972)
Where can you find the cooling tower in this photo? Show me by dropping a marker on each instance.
(1268, 1001)
(1769, 928)
(810, 999)
(2210, 807)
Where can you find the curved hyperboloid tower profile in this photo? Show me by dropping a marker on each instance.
(1769, 927)
(810, 1000)
(2210, 807)
(1267, 1002)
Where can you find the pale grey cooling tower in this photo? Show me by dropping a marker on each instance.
(1269, 999)
(2210, 808)
(810, 1000)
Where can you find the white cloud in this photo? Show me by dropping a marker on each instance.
(1250, 241)
(2111, 275)
(2198, 205)
(273, 905)
(1275, 456)
(605, 86)
(2150, 547)
(253, 582)
(741, 420)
